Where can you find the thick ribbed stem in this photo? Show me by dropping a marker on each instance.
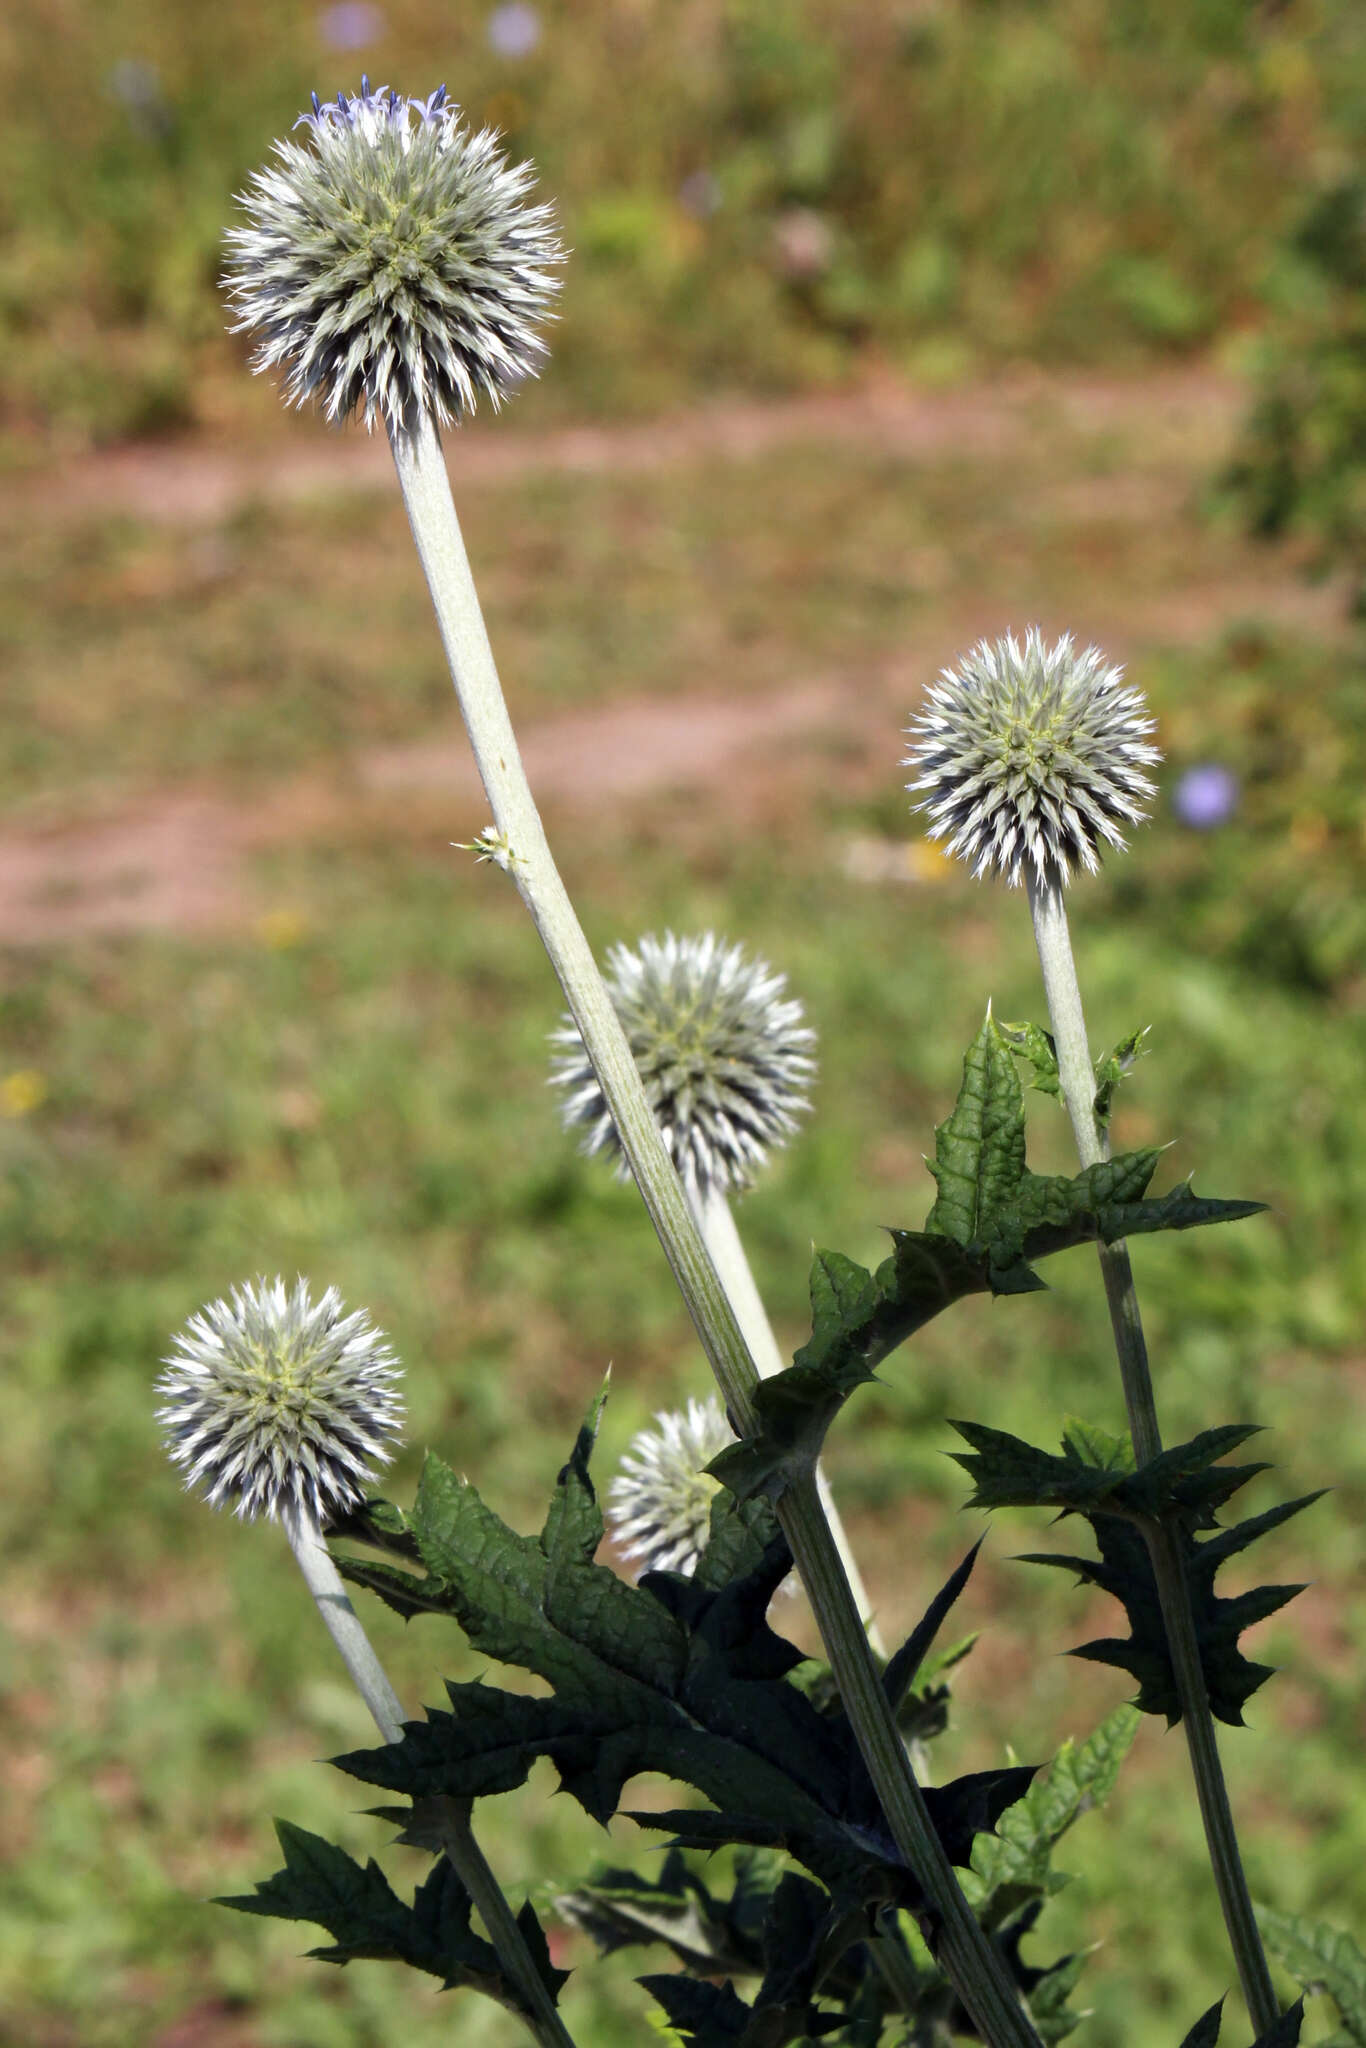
(979, 1973)
(716, 1220)
(463, 1853)
(1076, 1075)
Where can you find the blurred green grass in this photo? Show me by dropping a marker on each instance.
(763, 194)
(348, 1081)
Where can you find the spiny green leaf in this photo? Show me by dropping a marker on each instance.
(367, 1919)
(1181, 1488)
(680, 1676)
(1205, 2032)
(408, 1593)
(1006, 1472)
(573, 1527)
(1286, 2031)
(379, 1523)
(713, 1936)
(1113, 1068)
(1283, 2033)
(992, 1220)
(1035, 1045)
(707, 2015)
(980, 1147)
(1097, 1446)
(1124, 1569)
(1321, 1958)
(1014, 1864)
(1048, 2008)
(672, 1675)
(903, 1669)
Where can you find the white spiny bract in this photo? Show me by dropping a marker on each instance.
(1029, 756)
(273, 1401)
(395, 268)
(659, 1504)
(724, 1059)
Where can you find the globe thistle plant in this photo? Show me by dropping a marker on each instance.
(283, 1406)
(659, 1504)
(394, 268)
(275, 1402)
(1030, 757)
(724, 1056)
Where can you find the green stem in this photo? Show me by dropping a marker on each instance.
(978, 1971)
(1077, 1079)
(715, 1219)
(344, 1626)
(468, 1861)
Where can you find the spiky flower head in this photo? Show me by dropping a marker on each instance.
(395, 268)
(724, 1057)
(274, 1402)
(1030, 756)
(659, 1504)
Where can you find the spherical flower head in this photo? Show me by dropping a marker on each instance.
(276, 1403)
(394, 268)
(725, 1059)
(1031, 756)
(659, 1504)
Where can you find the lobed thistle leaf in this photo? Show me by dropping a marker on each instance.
(395, 269)
(676, 1675)
(725, 1059)
(659, 1505)
(1283, 2033)
(272, 1401)
(992, 1220)
(325, 1886)
(1184, 1487)
(1030, 756)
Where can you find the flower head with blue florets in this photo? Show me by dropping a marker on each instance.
(395, 269)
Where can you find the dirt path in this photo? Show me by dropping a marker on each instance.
(182, 862)
(205, 483)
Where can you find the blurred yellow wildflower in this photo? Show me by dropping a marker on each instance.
(281, 929)
(22, 1091)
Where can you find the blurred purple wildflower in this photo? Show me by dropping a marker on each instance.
(514, 30)
(1206, 796)
(700, 194)
(351, 24)
(137, 86)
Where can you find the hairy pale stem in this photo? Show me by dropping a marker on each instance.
(343, 1624)
(463, 1853)
(979, 1973)
(715, 1219)
(1076, 1075)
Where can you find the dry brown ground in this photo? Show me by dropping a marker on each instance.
(181, 860)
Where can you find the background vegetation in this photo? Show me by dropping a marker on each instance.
(758, 192)
(332, 1060)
